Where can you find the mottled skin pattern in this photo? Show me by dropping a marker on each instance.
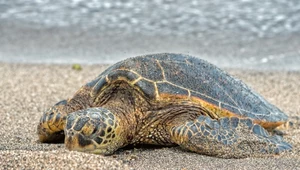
(165, 99)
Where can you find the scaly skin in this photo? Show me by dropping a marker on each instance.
(52, 123)
(227, 138)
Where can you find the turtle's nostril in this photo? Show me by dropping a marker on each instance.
(70, 133)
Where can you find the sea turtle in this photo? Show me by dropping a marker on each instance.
(166, 99)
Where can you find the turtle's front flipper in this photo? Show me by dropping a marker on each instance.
(51, 126)
(227, 138)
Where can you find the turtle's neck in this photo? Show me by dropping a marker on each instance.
(81, 100)
(126, 103)
(128, 121)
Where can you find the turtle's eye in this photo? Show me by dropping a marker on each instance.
(91, 130)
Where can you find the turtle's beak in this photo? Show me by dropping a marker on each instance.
(78, 142)
(75, 141)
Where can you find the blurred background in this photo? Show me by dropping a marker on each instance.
(248, 34)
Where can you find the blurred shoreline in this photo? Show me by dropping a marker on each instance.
(26, 43)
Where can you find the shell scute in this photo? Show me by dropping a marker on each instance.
(166, 88)
(147, 87)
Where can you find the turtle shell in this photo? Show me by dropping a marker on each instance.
(176, 77)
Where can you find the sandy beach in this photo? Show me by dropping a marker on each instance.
(28, 89)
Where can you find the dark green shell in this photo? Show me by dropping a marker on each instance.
(178, 74)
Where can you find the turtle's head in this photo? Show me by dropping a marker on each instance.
(94, 130)
(51, 125)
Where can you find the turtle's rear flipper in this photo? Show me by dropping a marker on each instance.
(227, 138)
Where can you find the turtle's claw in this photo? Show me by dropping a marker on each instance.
(283, 146)
(51, 126)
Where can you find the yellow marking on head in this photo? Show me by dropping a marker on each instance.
(87, 129)
(54, 128)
